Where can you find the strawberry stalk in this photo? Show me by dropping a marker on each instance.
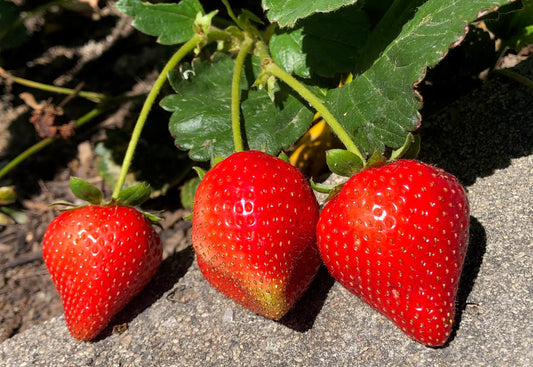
(272, 68)
(150, 99)
(246, 46)
(203, 33)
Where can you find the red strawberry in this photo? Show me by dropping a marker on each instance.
(396, 236)
(99, 257)
(254, 232)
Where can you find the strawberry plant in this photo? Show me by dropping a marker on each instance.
(255, 84)
(323, 80)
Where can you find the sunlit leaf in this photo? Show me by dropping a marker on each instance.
(287, 12)
(171, 23)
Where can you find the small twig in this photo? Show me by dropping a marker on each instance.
(70, 97)
(23, 259)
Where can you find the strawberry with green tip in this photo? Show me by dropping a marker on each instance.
(99, 257)
(254, 232)
(396, 236)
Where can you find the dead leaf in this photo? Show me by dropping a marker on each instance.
(67, 130)
(29, 100)
(44, 118)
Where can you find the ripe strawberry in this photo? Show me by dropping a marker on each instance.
(396, 236)
(99, 257)
(254, 232)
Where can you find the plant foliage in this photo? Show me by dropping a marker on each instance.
(387, 47)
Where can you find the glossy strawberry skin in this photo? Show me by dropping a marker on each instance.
(396, 236)
(100, 258)
(254, 232)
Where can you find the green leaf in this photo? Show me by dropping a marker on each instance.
(271, 127)
(188, 191)
(400, 152)
(85, 191)
(326, 44)
(201, 118)
(287, 12)
(153, 218)
(171, 23)
(321, 187)
(379, 107)
(376, 160)
(108, 168)
(200, 171)
(513, 24)
(63, 203)
(286, 49)
(284, 157)
(135, 195)
(414, 148)
(343, 162)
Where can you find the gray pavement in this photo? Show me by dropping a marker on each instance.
(179, 320)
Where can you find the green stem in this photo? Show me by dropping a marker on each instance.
(45, 142)
(271, 67)
(232, 14)
(235, 93)
(92, 96)
(150, 99)
(517, 77)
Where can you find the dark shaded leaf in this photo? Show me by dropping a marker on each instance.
(201, 118)
(326, 44)
(188, 191)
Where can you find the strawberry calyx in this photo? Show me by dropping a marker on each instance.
(131, 196)
(322, 188)
(346, 163)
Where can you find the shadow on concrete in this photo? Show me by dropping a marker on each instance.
(302, 316)
(482, 131)
(474, 257)
(170, 271)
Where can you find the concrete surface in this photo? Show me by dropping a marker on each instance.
(180, 321)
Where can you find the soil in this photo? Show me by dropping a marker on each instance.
(68, 47)
(97, 47)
